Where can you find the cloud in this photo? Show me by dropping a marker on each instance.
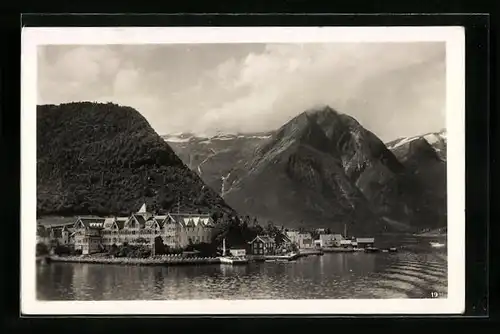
(393, 89)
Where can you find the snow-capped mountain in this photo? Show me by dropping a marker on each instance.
(214, 158)
(437, 140)
(189, 137)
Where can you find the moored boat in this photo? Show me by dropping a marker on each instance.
(371, 250)
(288, 257)
(233, 260)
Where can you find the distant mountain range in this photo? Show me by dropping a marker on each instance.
(320, 169)
(323, 168)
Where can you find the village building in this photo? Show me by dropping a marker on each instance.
(87, 234)
(346, 243)
(186, 229)
(262, 245)
(93, 234)
(293, 235)
(302, 240)
(320, 231)
(237, 251)
(365, 242)
(330, 240)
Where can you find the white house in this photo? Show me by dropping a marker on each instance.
(87, 235)
(346, 243)
(188, 228)
(365, 242)
(330, 240)
(302, 240)
(237, 252)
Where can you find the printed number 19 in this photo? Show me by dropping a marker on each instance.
(434, 294)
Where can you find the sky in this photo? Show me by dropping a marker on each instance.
(393, 89)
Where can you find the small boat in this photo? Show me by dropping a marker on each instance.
(436, 244)
(371, 250)
(385, 251)
(233, 260)
(393, 249)
(279, 260)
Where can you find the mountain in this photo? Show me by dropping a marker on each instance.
(322, 168)
(106, 159)
(437, 140)
(215, 158)
(425, 158)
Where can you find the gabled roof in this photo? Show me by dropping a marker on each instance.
(192, 220)
(151, 222)
(108, 222)
(263, 238)
(120, 223)
(139, 219)
(161, 220)
(91, 222)
(285, 238)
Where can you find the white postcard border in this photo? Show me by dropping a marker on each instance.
(455, 118)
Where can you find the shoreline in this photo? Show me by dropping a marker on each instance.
(167, 260)
(157, 261)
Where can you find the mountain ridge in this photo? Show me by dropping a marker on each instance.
(386, 177)
(96, 158)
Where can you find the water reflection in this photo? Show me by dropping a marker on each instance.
(336, 275)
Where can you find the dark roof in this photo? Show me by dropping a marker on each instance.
(120, 223)
(140, 219)
(160, 222)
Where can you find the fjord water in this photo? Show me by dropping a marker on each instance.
(416, 271)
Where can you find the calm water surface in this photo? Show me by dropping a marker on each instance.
(414, 272)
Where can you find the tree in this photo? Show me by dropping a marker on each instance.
(113, 250)
(141, 240)
(41, 249)
(158, 246)
(270, 227)
(62, 250)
